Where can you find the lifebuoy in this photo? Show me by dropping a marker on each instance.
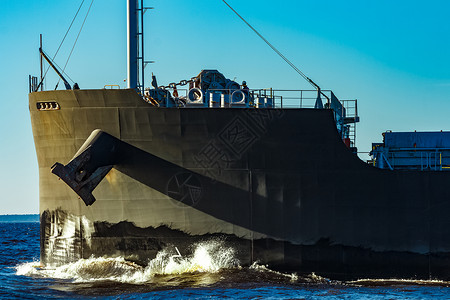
(238, 97)
(195, 95)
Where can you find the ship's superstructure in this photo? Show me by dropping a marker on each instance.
(424, 151)
(272, 173)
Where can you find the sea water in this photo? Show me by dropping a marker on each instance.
(211, 272)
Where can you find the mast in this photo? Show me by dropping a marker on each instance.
(42, 78)
(132, 47)
(141, 38)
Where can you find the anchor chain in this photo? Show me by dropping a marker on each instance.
(181, 83)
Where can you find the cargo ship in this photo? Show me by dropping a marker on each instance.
(272, 173)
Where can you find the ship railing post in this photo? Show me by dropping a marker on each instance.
(433, 162)
(301, 98)
(387, 161)
(167, 100)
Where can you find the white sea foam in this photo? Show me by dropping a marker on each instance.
(28, 269)
(264, 269)
(208, 257)
(292, 277)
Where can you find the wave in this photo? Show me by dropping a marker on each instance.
(208, 257)
(211, 262)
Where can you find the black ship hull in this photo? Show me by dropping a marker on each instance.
(278, 185)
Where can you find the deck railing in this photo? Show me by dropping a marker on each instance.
(282, 98)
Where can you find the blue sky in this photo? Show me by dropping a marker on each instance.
(393, 56)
